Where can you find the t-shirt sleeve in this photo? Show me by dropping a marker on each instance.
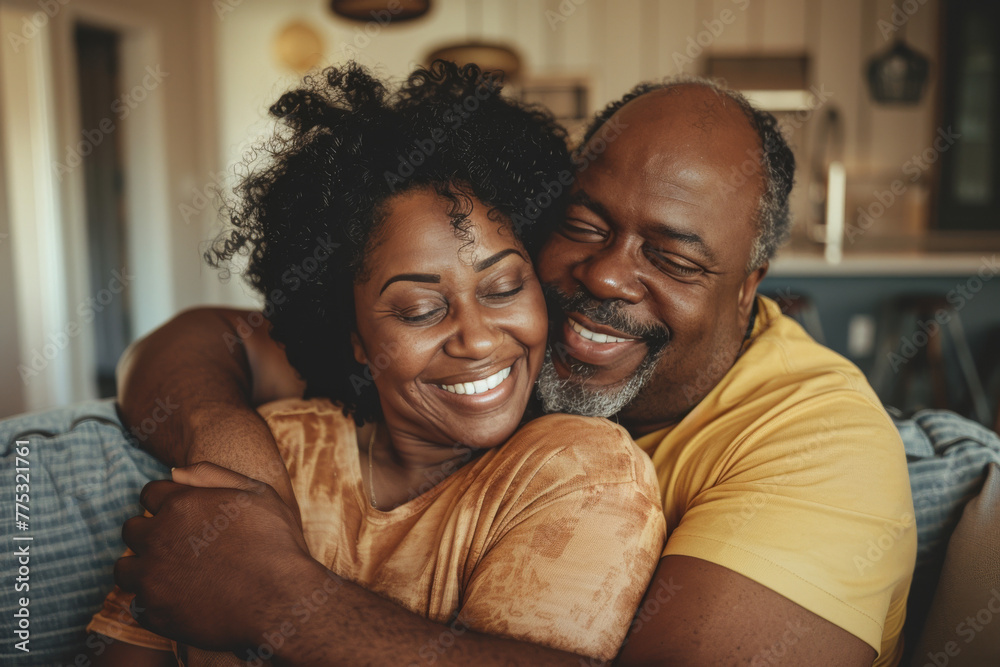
(576, 545)
(115, 620)
(815, 505)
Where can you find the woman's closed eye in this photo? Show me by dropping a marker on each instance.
(421, 314)
(504, 292)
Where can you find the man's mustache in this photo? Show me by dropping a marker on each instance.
(610, 312)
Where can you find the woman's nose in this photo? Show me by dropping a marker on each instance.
(476, 334)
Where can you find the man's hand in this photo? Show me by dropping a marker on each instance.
(183, 573)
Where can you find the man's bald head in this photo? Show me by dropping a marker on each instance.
(712, 110)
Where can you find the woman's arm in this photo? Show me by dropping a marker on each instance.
(187, 392)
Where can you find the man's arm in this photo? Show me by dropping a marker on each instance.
(282, 602)
(699, 613)
(187, 391)
(279, 601)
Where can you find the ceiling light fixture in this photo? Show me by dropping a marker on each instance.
(396, 11)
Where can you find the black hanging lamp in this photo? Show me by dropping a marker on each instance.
(489, 55)
(396, 11)
(899, 75)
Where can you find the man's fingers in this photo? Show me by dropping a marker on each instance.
(155, 493)
(134, 533)
(127, 573)
(209, 475)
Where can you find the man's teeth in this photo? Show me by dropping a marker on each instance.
(479, 386)
(596, 337)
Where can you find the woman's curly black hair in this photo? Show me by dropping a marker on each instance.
(306, 210)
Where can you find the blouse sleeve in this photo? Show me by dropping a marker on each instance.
(578, 541)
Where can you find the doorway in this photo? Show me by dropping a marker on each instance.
(98, 81)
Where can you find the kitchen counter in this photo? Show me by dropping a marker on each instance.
(930, 255)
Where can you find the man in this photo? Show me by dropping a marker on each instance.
(784, 482)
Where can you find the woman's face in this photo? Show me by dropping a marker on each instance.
(454, 332)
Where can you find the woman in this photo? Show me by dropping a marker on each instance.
(419, 331)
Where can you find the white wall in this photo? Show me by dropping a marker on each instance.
(222, 77)
(169, 147)
(616, 43)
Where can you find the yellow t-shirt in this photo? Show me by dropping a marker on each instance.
(791, 473)
(551, 538)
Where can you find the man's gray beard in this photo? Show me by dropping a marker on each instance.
(572, 394)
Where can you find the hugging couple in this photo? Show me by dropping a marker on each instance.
(501, 422)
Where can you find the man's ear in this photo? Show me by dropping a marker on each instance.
(748, 290)
(359, 350)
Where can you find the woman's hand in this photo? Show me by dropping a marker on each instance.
(217, 561)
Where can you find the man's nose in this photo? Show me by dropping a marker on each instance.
(476, 335)
(611, 273)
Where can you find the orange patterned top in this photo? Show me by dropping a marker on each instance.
(551, 538)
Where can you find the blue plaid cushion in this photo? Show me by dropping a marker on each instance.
(85, 478)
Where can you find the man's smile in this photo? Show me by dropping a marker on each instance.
(581, 340)
(595, 335)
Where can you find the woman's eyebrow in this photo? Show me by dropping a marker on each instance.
(481, 265)
(413, 277)
(484, 264)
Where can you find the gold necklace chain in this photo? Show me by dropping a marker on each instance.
(371, 468)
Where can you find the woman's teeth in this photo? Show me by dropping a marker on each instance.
(596, 337)
(479, 386)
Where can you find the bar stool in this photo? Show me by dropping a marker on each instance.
(917, 335)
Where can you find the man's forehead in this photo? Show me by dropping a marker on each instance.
(701, 107)
(676, 141)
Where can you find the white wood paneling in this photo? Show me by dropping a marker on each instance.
(783, 27)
